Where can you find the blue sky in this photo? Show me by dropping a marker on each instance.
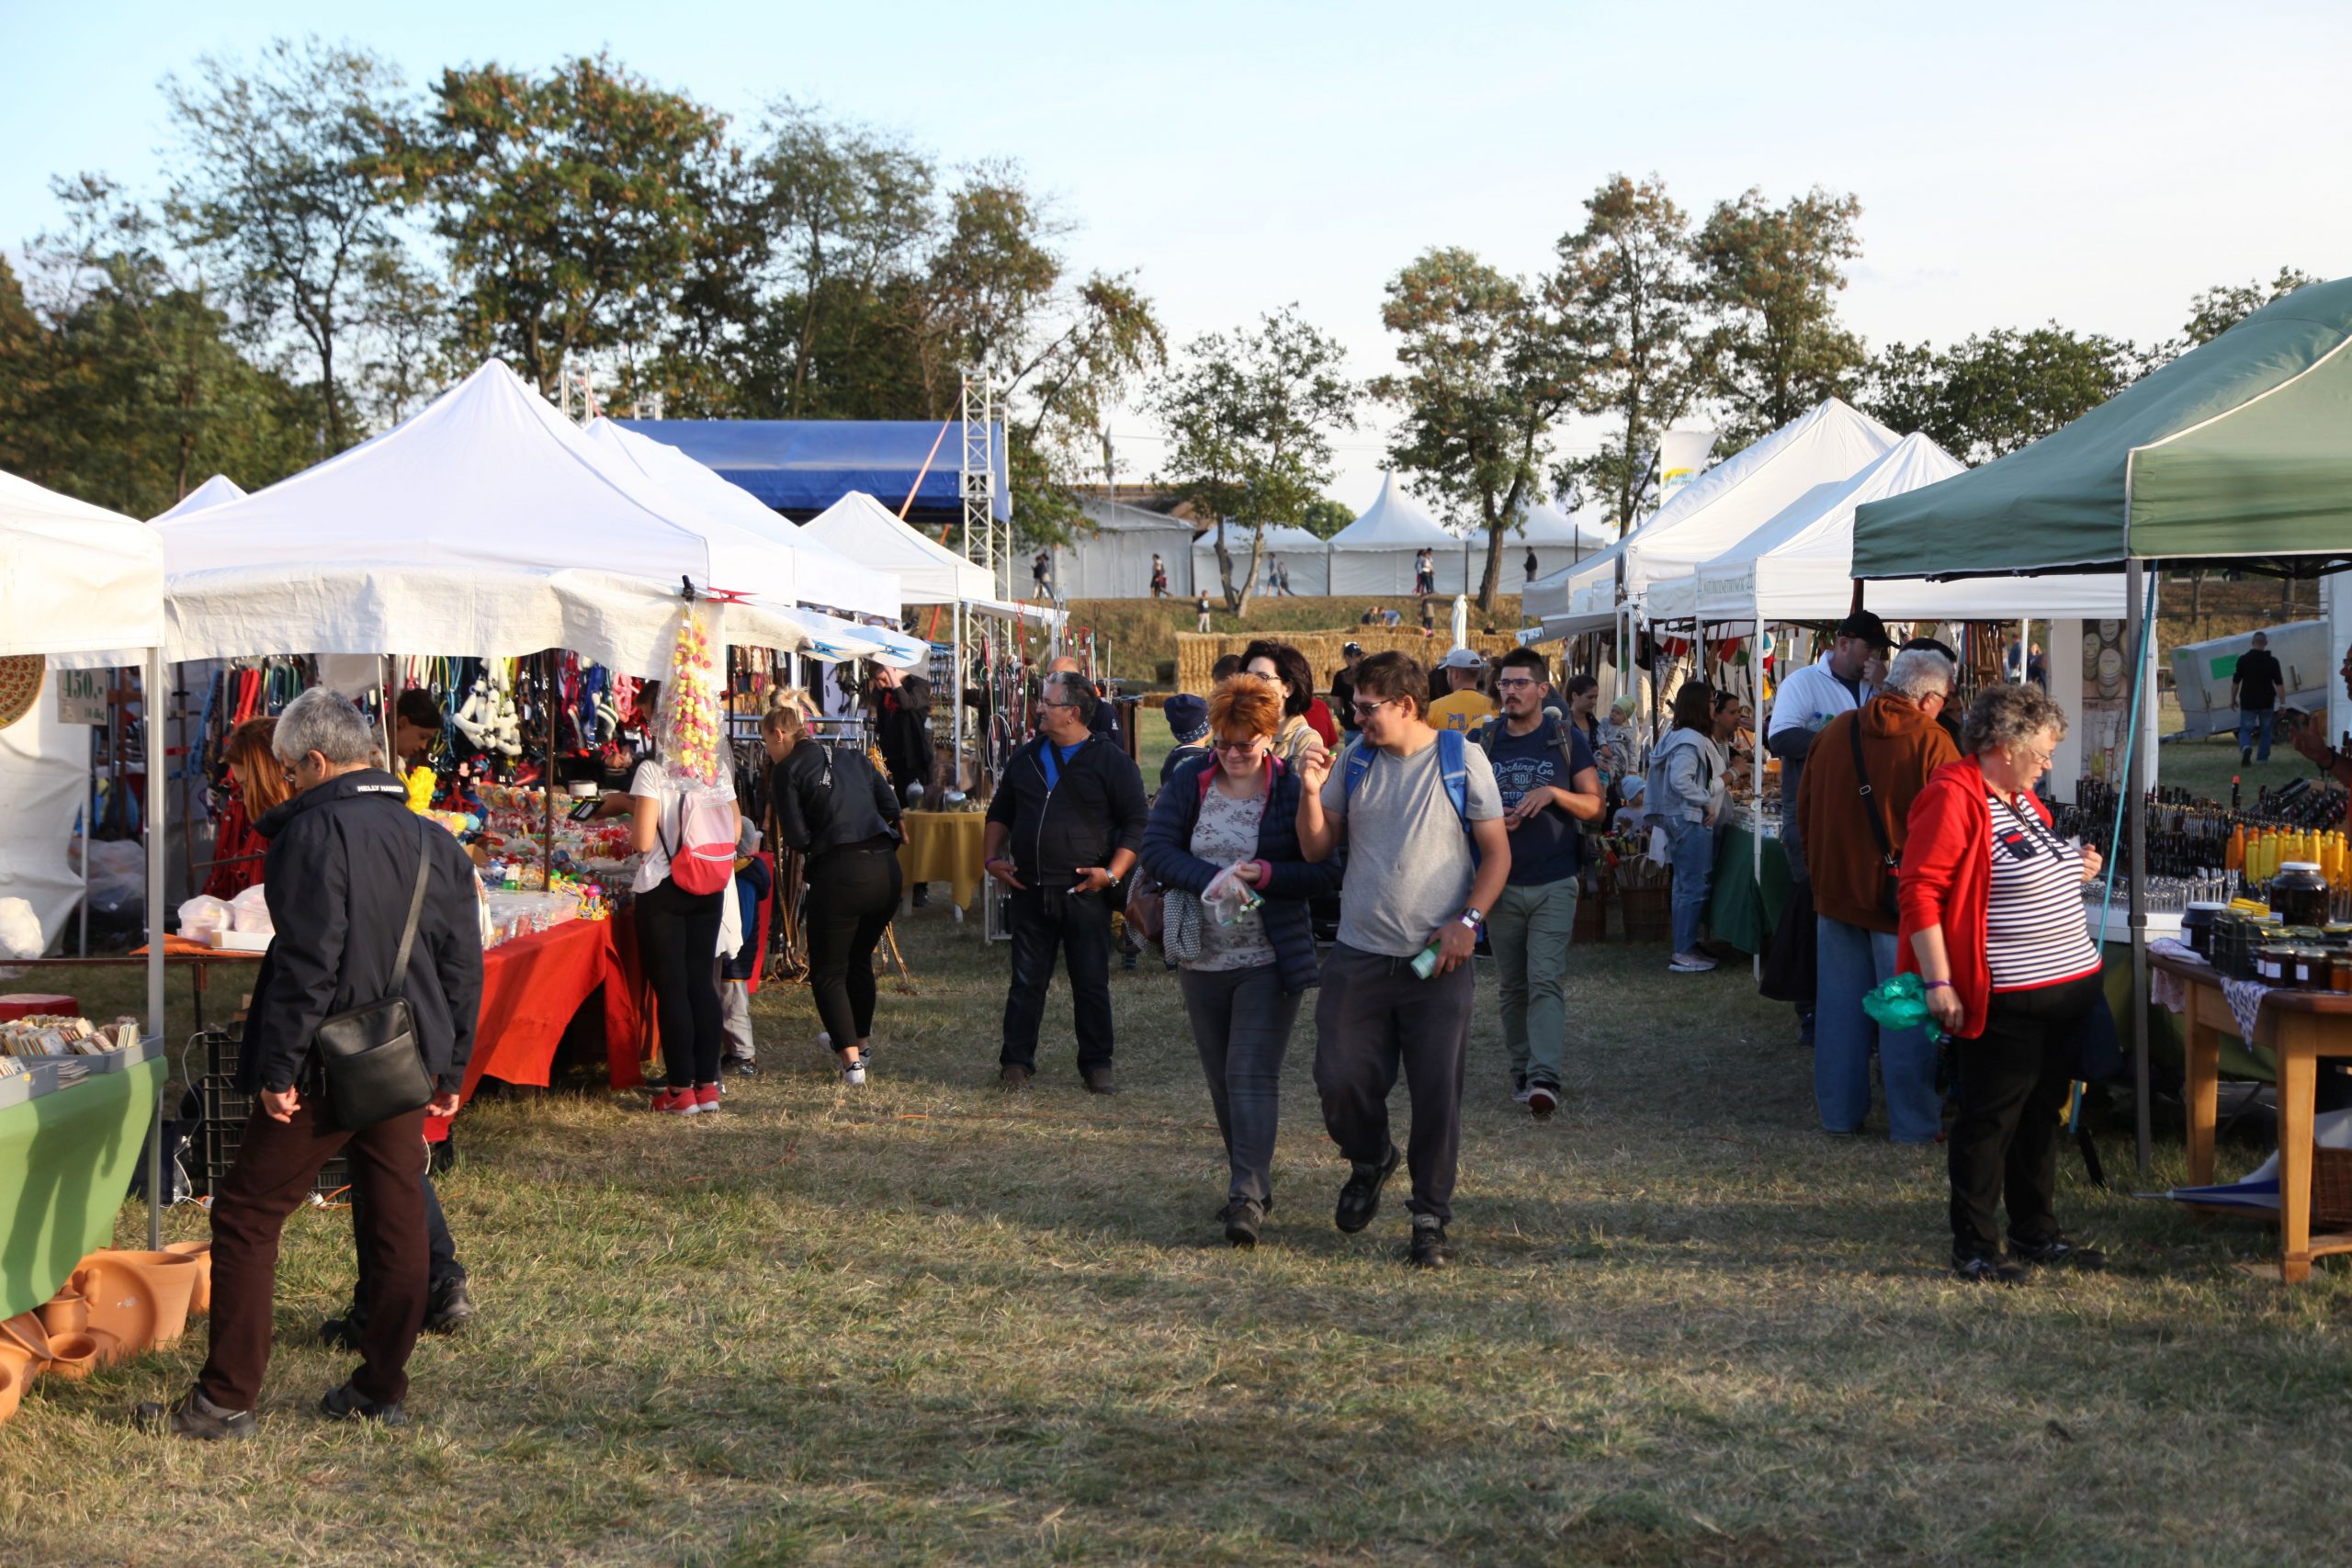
(2095, 164)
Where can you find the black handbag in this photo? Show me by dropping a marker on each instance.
(368, 1054)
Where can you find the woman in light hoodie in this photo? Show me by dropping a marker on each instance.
(1682, 795)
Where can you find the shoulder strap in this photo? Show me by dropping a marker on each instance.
(1869, 803)
(415, 905)
(1357, 764)
(1453, 769)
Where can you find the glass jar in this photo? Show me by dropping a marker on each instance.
(2309, 969)
(2197, 927)
(2273, 962)
(2339, 972)
(2298, 893)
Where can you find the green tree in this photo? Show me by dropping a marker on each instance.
(578, 206)
(2223, 305)
(1628, 293)
(1488, 369)
(1770, 276)
(1994, 392)
(1324, 518)
(1250, 414)
(275, 185)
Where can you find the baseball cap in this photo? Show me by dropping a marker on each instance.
(1347, 648)
(1188, 717)
(1867, 626)
(1463, 659)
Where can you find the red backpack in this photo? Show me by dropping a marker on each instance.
(704, 860)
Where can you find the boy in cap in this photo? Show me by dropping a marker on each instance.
(1188, 722)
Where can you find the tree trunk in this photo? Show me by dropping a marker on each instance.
(1491, 583)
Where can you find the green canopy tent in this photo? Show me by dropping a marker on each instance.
(2237, 453)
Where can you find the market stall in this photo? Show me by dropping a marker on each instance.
(80, 588)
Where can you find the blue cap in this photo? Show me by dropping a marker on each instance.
(1188, 717)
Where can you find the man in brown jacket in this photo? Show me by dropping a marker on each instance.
(1852, 819)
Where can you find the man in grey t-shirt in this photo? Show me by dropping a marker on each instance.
(1422, 871)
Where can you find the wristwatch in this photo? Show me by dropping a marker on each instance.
(1472, 916)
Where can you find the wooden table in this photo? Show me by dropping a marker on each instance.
(198, 959)
(2300, 1028)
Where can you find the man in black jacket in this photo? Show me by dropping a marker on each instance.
(341, 874)
(1062, 830)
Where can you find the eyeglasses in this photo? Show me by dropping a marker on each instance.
(1049, 702)
(2028, 754)
(1365, 710)
(1514, 682)
(1238, 747)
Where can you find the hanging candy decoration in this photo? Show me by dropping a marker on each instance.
(690, 706)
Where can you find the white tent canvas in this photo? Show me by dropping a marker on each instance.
(1303, 555)
(1572, 590)
(1375, 553)
(487, 526)
(1111, 556)
(1558, 542)
(928, 572)
(213, 491)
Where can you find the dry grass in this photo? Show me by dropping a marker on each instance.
(927, 1323)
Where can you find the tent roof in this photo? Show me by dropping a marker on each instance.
(77, 582)
(2235, 450)
(825, 576)
(1394, 520)
(1281, 538)
(1829, 443)
(486, 525)
(805, 465)
(1557, 594)
(211, 492)
(1117, 517)
(1545, 523)
(863, 529)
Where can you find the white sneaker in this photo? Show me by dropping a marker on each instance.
(1692, 964)
(825, 1039)
(854, 1074)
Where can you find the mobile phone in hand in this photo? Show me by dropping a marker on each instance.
(584, 810)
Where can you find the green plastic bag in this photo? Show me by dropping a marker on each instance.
(1902, 1003)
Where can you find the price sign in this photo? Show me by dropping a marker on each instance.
(81, 696)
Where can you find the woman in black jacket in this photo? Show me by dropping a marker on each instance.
(836, 808)
(1238, 809)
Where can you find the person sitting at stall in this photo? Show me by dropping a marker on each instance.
(1993, 922)
(417, 725)
(1683, 799)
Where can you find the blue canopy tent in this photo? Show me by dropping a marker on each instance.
(800, 466)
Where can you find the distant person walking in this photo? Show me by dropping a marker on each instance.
(1427, 855)
(2254, 692)
(1424, 573)
(1158, 577)
(1201, 607)
(1683, 794)
(1041, 571)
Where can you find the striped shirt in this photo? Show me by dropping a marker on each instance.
(2035, 933)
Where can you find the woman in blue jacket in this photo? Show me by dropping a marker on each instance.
(1238, 809)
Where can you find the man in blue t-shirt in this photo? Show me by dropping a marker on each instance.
(1549, 784)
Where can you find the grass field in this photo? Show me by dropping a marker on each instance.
(926, 1322)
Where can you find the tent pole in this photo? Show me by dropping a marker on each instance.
(1755, 761)
(154, 728)
(2135, 594)
(956, 701)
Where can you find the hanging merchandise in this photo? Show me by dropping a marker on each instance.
(691, 721)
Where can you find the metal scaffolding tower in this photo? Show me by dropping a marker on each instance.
(980, 527)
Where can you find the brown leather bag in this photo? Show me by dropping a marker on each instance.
(1146, 908)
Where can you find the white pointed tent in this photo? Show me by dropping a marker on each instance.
(826, 577)
(1375, 553)
(1561, 543)
(863, 529)
(485, 526)
(1306, 555)
(213, 491)
(1110, 556)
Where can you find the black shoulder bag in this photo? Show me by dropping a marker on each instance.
(1890, 864)
(368, 1053)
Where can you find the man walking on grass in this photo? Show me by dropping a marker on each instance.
(2254, 692)
(1548, 783)
(1427, 855)
(1063, 830)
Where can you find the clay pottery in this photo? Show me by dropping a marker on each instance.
(64, 1313)
(12, 1389)
(18, 1364)
(167, 1280)
(73, 1357)
(201, 1251)
(110, 1349)
(25, 1332)
(121, 1301)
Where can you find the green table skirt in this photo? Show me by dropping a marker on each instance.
(1742, 911)
(66, 1160)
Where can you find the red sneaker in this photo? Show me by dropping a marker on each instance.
(676, 1103)
(706, 1099)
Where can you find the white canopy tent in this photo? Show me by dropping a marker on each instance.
(1306, 557)
(1587, 587)
(862, 529)
(1111, 557)
(1561, 543)
(1375, 553)
(826, 576)
(213, 491)
(487, 526)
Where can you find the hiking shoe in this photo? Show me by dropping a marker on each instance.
(1542, 1098)
(2246, 757)
(449, 1308)
(1014, 1077)
(2058, 1253)
(1429, 1248)
(854, 1074)
(1098, 1080)
(1691, 963)
(706, 1099)
(1360, 1197)
(347, 1404)
(193, 1416)
(1242, 1217)
(1988, 1270)
(677, 1102)
(743, 1066)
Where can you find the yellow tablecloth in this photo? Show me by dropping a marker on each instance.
(943, 846)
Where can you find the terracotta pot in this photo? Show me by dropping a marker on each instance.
(64, 1313)
(12, 1389)
(73, 1357)
(110, 1347)
(19, 1365)
(201, 1251)
(23, 1331)
(139, 1297)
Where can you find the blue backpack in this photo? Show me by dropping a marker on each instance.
(1452, 766)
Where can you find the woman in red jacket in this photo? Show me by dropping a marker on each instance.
(1992, 920)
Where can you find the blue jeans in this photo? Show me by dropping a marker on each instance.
(1849, 961)
(2256, 725)
(1691, 846)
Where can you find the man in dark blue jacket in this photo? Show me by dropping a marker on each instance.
(1062, 830)
(341, 876)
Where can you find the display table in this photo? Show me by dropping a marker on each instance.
(2299, 1028)
(66, 1160)
(1741, 909)
(943, 846)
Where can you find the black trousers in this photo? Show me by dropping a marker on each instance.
(443, 1269)
(677, 940)
(852, 896)
(2012, 1082)
(1373, 1018)
(1076, 926)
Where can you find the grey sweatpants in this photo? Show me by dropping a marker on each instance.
(1241, 1022)
(735, 1021)
(1375, 1016)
